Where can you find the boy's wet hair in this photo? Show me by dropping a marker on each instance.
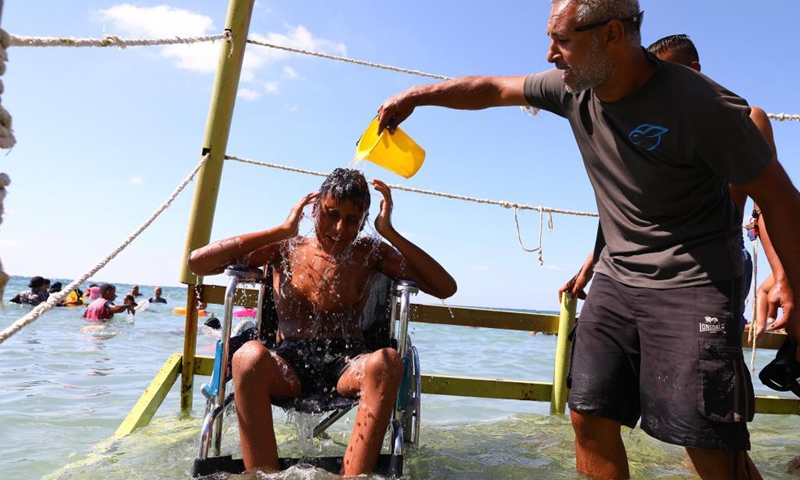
(105, 288)
(681, 47)
(345, 184)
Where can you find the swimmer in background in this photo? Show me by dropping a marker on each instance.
(157, 298)
(135, 291)
(36, 293)
(103, 309)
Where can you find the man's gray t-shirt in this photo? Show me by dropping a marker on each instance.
(660, 161)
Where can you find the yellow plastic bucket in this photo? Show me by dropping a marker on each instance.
(395, 152)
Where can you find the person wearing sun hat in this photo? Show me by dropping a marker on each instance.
(36, 294)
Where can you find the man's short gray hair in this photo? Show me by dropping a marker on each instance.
(590, 11)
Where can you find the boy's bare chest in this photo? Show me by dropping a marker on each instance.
(322, 282)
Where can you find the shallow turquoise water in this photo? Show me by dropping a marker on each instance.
(66, 392)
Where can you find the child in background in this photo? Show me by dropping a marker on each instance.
(129, 300)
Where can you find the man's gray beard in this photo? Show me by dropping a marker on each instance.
(595, 70)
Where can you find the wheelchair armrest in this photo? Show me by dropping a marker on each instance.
(246, 273)
(402, 292)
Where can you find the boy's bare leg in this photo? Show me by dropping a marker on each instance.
(599, 451)
(259, 375)
(377, 377)
(718, 464)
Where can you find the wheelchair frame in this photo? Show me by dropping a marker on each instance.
(404, 425)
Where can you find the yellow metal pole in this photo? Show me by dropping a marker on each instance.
(151, 399)
(566, 321)
(215, 143)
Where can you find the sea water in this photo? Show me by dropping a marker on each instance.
(64, 393)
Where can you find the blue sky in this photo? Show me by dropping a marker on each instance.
(104, 135)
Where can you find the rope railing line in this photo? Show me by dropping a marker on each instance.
(348, 60)
(486, 201)
(57, 298)
(116, 41)
(108, 41)
(782, 117)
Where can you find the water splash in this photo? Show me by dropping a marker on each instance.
(304, 424)
(452, 315)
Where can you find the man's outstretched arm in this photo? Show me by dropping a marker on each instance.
(463, 93)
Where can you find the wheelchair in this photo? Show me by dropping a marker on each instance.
(384, 323)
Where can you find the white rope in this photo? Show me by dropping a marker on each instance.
(107, 41)
(55, 299)
(751, 337)
(503, 204)
(348, 60)
(7, 139)
(527, 110)
(782, 117)
(115, 41)
(541, 231)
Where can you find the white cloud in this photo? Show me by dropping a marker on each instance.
(477, 268)
(296, 37)
(248, 94)
(271, 87)
(290, 108)
(289, 72)
(136, 180)
(555, 268)
(8, 243)
(156, 22)
(164, 21)
(257, 5)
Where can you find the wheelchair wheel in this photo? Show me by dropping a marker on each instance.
(411, 417)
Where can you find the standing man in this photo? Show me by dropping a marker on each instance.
(659, 334)
(772, 294)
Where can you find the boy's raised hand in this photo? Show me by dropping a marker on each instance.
(383, 222)
(292, 223)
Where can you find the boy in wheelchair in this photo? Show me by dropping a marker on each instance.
(321, 284)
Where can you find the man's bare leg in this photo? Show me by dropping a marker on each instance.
(377, 377)
(599, 451)
(793, 466)
(718, 464)
(259, 375)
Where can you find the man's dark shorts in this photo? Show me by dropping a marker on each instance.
(672, 356)
(320, 362)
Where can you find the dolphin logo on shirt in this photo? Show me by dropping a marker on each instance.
(647, 136)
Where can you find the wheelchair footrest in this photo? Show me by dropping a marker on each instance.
(212, 465)
(388, 465)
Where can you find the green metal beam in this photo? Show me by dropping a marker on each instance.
(558, 403)
(486, 388)
(215, 143)
(144, 410)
